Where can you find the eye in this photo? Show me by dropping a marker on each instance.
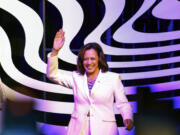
(85, 59)
(92, 58)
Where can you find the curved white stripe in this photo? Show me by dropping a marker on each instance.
(167, 10)
(10, 69)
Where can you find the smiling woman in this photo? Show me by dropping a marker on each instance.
(90, 60)
(90, 63)
(94, 89)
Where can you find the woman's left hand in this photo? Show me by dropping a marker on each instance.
(129, 124)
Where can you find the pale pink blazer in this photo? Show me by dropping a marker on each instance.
(100, 104)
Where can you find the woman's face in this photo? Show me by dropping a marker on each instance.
(90, 62)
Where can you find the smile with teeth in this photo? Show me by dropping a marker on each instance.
(89, 67)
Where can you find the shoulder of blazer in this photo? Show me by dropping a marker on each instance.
(77, 74)
(110, 76)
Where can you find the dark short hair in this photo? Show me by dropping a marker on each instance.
(102, 60)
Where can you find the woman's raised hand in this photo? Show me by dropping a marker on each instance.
(58, 42)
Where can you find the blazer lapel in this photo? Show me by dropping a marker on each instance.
(96, 84)
(85, 86)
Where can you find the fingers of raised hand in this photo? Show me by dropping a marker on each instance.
(59, 35)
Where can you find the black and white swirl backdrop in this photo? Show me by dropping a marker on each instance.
(140, 38)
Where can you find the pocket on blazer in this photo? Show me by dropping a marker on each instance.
(109, 121)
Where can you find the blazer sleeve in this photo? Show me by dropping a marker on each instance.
(61, 77)
(122, 103)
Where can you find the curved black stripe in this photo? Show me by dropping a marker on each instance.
(34, 4)
(53, 22)
(93, 14)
